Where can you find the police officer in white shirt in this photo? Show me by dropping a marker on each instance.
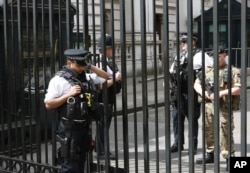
(68, 94)
(183, 75)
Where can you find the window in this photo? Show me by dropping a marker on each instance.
(222, 35)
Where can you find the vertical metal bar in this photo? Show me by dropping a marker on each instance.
(7, 74)
(68, 24)
(86, 39)
(155, 87)
(42, 42)
(13, 73)
(134, 82)
(36, 77)
(180, 140)
(53, 48)
(124, 84)
(60, 36)
(93, 27)
(105, 95)
(144, 86)
(190, 85)
(165, 46)
(229, 82)
(113, 61)
(203, 86)
(216, 86)
(29, 71)
(19, 27)
(2, 81)
(243, 77)
(77, 24)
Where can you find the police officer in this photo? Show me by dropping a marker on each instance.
(67, 94)
(183, 74)
(223, 108)
(113, 87)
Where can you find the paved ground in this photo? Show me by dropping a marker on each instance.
(161, 132)
(136, 130)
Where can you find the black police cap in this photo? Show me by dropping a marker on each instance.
(184, 37)
(108, 41)
(220, 51)
(79, 56)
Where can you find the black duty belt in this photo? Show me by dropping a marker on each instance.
(75, 124)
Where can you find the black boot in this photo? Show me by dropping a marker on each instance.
(195, 146)
(208, 159)
(174, 148)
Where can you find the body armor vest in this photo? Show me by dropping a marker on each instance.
(76, 108)
(183, 70)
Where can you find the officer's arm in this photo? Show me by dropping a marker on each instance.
(198, 87)
(110, 82)
(99, 72)
(56, 102)
(234, 91)
(236, 86)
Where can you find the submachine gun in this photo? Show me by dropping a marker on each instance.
(209, 85)
(183, 76)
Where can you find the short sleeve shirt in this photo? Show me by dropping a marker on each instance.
(59, 86)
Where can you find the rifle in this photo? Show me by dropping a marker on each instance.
(209, 85)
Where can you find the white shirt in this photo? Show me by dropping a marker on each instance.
(197, 61)
(59, 86)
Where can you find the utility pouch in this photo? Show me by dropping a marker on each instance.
(71, 108)
(84, 110)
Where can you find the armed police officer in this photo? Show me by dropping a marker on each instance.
(182, 73)
(113, 87)
(70, 92)
(223, 106)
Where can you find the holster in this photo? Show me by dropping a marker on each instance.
(64, 146)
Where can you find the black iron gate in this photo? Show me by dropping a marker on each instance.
(34, 35)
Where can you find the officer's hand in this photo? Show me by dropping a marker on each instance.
(206, 95)
(74, 90)
(118, 76)
(211, 97)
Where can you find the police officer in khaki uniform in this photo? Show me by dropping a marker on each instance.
(70, 96)
(223, 112)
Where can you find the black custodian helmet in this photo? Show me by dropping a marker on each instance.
(108, 42)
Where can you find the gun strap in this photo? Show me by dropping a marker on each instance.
(70, 75)
(67, 74)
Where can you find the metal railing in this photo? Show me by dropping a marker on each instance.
(34, 35)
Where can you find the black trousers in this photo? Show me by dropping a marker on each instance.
(81, 138)
(100, 136)
(183, 114)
